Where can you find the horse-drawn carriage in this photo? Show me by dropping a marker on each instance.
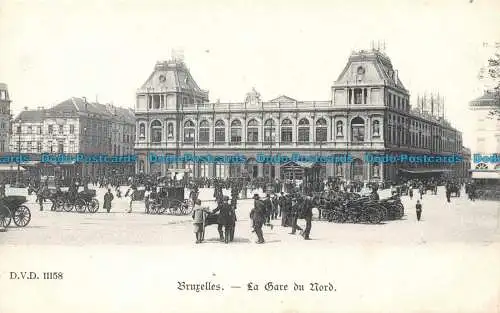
(170, 200)
(12, 208)
(432, 186)
(81, 202)
(453, 188)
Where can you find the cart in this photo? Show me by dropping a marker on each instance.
(171, 201)
(13, 208)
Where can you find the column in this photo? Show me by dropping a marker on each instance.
(260, 169)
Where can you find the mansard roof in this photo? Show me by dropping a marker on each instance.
(171, 75)
(377, 67)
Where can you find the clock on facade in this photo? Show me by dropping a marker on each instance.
(361, 70)
(162, 78)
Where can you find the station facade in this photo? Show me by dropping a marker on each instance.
(369, 113)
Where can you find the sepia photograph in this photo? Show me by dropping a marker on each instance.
(250, 156)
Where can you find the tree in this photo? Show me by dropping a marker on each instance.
(491, 73)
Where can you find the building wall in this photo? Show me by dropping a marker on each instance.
(5, 118)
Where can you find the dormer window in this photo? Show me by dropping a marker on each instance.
(360, 73)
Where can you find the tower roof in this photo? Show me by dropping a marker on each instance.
(172, 75)
(376, 69)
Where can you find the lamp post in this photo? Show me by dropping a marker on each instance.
(19, 130)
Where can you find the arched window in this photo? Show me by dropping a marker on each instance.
(286, 131)
(236, 131)
(253, 131)
(376, 128)
(156, 131)
(170, 130)
(189, 130)
(269, 130)
(358, 129)
(340, 129)
(142, 131)
(220, 131)
(481, 166)
(303, 135)
(321, 130)
(204, 132)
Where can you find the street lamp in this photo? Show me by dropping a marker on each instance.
(19, 130)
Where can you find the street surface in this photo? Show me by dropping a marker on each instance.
(133, 262)
(458, 221)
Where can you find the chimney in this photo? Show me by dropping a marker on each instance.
(25, 108)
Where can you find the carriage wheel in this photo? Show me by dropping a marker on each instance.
(59, 205)
(177, 207)
(374, 216)
(188, 209)
(93, 206)
(5, 216)
(68, 206)
(80, 206)
(22, 216)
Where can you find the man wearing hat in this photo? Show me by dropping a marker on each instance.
(225, 219)
(258, 216)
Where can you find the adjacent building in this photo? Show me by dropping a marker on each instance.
(5, 118)
(487, 132)
(75, 126)
(369, 113)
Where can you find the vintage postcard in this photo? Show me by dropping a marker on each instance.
(250, 156)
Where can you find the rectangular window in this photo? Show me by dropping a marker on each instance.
(303, 135)
(38, 147)
(252, 135)
(269, 134)
(61, 129)
(71, 129)
(18, 129)
(235, 135)
(358, 133)
(30, 130)
(204, 135)
(286, 134)
(220, 135)
(39, 130)
(321, 134)
(189, 135)
(51, 129)
(358, 96)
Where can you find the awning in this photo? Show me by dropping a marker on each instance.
(486, 174)
(425, 170)
(10, 168)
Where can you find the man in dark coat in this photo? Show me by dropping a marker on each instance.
(108, 197)
(295, 212)
(258, 216)
(225, 219)
(307, 215)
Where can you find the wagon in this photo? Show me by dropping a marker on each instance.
(170, 200)
(84, 201)
(13, 208)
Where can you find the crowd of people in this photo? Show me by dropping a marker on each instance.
(286, 200)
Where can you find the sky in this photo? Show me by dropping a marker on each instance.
(105, 50)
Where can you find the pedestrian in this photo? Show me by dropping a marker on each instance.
(295, 212)
(199, 216)
(448, 195)
(258, 216)
(307, 215)
(421, 191)
(108, 197)
(410, 192)
(418, 207)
